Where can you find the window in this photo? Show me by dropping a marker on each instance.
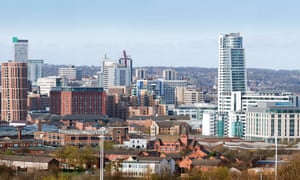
(94, 138)
(272, 127)
(83, 138)
(292, 127)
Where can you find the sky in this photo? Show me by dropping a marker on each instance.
(153, 32)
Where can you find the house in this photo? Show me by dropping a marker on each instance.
(169, 127)
(168, 144)
(29, 163)
(137, 166)
(163, 143)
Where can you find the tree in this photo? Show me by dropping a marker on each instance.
(9, 152)
(6, 172)
(221, 173)
(291, 171)
(195, 174)
(68, 154)
(243, 159)
(109, 145)
(87, 156)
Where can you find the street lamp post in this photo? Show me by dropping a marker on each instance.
(101, 156)
(276, 158)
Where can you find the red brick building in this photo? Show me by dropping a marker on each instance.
(77, 100)
(16, 143)
(14, 91)
(82, 137)
(171, 143)
(36, 102)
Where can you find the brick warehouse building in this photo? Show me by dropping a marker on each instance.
(77, 100)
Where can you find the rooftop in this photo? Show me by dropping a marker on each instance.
(43, 159)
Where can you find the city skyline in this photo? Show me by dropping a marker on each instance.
(154, 33)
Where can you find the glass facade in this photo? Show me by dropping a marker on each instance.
(231, 68)
(231, 75)
(266, 123)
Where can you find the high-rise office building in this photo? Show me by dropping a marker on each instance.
(140, 73)
(20, 49)
(169, 74)
(108, 73)
(35, 68)
(231, 69)
(115, 74)
(14, 91)
(70, 73)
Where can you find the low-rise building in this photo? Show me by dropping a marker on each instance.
(38, 102)
(29, 163)
(169, 127)
(273, 120)
(145, 166)
(140, 120)
(136, 143)
(16, 143)
(171, 143)
(82, 137)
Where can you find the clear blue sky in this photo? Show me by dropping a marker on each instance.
(154, 32)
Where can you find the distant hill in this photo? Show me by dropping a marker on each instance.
(52, 70)
(206, 78)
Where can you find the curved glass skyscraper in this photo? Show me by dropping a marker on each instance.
(231, 70)
(231, 84)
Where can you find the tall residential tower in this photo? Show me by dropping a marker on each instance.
(231, 85)
(14, 91)
(231, 70)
